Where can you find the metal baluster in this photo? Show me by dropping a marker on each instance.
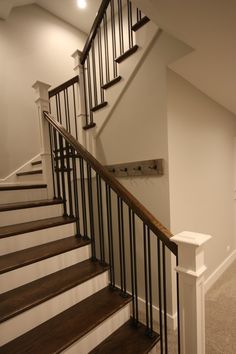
(106, 46)
(160, 292)
(129, 8)
(56, 152)
(67, 151)
(120, 245)
(59, 108)
(68, 110)
(121, 34)
(75, 114)
(86, 94)
(113, 29)
(65, 109)
(76, 201)
(91, 213)
(94, 76)
(178, 318)
(89, 90)
(150, 282)
(83, 197)
(164, 296)
(146, 276)
(52, 159)
(135, 269)
(100, 218)
(110, 236)
(62, 170)
(100, 58)
(132, 263)
(123, 245)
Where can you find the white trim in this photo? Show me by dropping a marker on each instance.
(219, 271)
(12, 174)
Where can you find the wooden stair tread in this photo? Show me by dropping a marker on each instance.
(28, 173)
(89, 126)
(35, 163)
(111, 82)
(17, 229)
(63, 330)
(129, 340)
(99, 106)
(140, 23)
(128, 53)
(29, 204)
(14, 187)
(23, 298)
(31, 255)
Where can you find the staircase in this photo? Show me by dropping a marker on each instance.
(69, 266)
(54, 297)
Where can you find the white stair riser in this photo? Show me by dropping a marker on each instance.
(23, 195)
(29, 319)
(35, 238)
(100, 333)
(24, 275)
(30, 214)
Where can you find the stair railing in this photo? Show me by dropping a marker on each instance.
(110, 41)
(123, 233)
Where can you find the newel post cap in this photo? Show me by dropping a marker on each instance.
(41, 90)
(191, 238)
(76, 56)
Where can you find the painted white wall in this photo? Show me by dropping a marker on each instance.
(137, 130)
(201, 164)
(34, 45)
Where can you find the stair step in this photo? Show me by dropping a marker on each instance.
(112, 82)
(128, 53)
(99, 106)
(31, 255)
(29, 204)
(89, 126)
(21, 299)
(12, 230)
(29, 173)
(63, 330)
(14, 187)
(129, 340)
(140, 23)
(35, 163)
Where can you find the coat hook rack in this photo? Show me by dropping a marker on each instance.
(139, 168)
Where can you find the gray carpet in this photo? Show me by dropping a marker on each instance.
(221, 314)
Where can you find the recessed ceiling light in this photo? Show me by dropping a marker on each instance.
(81, 4)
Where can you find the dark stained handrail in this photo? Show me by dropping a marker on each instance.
(63, 86)
(155, 226)
(94, 29)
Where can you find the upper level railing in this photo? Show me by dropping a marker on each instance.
(123, 233)
(110, 41)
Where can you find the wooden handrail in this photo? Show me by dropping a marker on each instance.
(155, 226)
(63, 86)
(93, 32)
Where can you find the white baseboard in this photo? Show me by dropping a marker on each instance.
(219, 271)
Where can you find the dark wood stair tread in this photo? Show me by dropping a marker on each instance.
(29, 204)
(129, 340)
(99, 106)
(140, 23)
(28, 173)
(35, 163)
(31, 255)
(12, 230)
(63, 330)
(25, 297)
(89, 126)
(112, 82)
(125, 55)
(15, 187)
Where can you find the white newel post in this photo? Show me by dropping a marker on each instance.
(42, 103)
(191, 269)
(86, 137)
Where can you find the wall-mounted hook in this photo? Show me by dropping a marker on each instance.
(153, 167)
(123, 169)
(139, 168)
(113, 170)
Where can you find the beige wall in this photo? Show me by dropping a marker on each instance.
(34, 45)
(201, 159)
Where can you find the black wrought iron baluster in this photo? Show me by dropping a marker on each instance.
(66, 111)
(106, 46)
(91, 210)
(100, 59)
(110, 236)
(160, 293)
(146, 276)
(75, 112)
(57, 153)
(76, 195)
(89, 90)
(52, 159)
(150, 281)
(94, 76)
(69, 186)
(164, 297)
(132, 264)
(121, 33)
(130, 32)
(59, 108)
(86, 94)
(135, 269)
(100, 219)
(178, 318)
(62, 172)
(121, 245)
(83, 197)
(113, 31)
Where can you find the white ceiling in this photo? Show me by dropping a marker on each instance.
(67, 10)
